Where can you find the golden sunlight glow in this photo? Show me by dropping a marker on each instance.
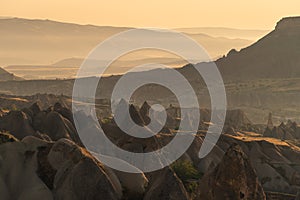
(254, 14)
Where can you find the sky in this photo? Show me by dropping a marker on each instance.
(251, 14)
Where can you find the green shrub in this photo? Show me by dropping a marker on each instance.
(189, 175)
(185, 170)
(106, 120)
(191, 187)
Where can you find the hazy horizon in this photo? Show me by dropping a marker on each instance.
(43, 43)
(167, 14)
(115, 26)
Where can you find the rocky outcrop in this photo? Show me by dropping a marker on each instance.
(275, 161)
(18, 177)
(144, 112)
(233, 178)
(237, 119)
(165, 185)
(46, 124)
(133, 185)
(79, 175)
(285, 131)
(122, 111)
(60, 170)
(56, 127)
(65, 112)
(17, 123)
(270, 122)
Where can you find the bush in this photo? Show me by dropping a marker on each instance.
(189, 175)
(185, 170)
(106, 120)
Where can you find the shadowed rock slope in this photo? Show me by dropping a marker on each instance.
(234, 178)
(274, 56)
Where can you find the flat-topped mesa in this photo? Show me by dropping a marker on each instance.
(288, 22)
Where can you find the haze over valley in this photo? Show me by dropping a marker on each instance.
(30, 48)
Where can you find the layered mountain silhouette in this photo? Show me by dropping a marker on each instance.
(37, 44)
(273, 56)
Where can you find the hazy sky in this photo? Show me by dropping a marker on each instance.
(254, 14)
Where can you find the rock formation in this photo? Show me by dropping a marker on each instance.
(45, 124)
(270, 122)
(144, 112)
(165, 185)
(60, 170)
(233, 178)
(285, 131)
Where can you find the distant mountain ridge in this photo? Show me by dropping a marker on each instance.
(43, 42)
(250, 34)
(276, 55)
(36, 26)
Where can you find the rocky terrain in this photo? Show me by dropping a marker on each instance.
(51, 162)
(42, 155)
